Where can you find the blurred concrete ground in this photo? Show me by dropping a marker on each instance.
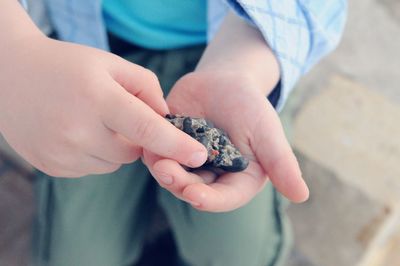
(344, 123)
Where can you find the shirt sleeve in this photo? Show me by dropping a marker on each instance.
(24, 4)
(299, 32)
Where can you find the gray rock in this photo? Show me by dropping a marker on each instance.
(222, 154)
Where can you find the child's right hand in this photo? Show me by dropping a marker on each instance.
(71, 110)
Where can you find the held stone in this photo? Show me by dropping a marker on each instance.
(222, 154)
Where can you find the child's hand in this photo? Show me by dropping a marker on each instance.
(71, 110)
(235, 104)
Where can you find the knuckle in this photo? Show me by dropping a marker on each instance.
(151, 75)
(76, 135)
(152, 78)
(88, 80)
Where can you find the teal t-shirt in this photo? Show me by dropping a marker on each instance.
(157, 24)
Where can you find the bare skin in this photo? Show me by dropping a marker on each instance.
(229, 88)
(70, 110)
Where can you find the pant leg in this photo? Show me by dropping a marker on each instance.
(96, 220)
(254, 235)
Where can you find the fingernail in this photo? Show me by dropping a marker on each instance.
(197, 159)
(166, 178)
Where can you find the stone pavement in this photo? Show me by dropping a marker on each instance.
(343, 121)
(350, 159)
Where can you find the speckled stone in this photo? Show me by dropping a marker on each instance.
(222, 154)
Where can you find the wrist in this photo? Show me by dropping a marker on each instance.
(241, 49)
(263, 73)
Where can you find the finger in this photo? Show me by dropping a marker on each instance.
(130, 117)
(277, 158)
(208, 177)
(149, 159)
(140, 82)
(113, 147)
(171, 176)
(229, 192)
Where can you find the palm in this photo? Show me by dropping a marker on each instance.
(252, 125)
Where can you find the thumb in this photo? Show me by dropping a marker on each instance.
(129, 116)
(140, 82)
(276, 157)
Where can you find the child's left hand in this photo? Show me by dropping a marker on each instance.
(234, 103)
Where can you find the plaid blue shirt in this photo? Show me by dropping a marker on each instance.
(300, 32)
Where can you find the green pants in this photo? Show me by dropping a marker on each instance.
(102, 220)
